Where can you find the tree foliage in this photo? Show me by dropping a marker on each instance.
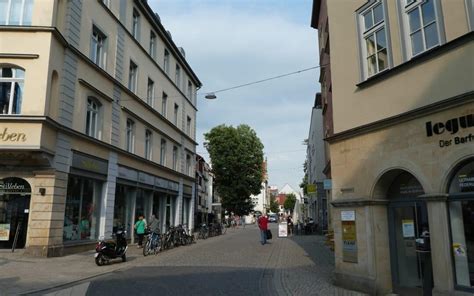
(304, 182)
(290, 201)
(274, 206)
(237, 163)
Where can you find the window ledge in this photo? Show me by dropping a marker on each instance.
(423, 57)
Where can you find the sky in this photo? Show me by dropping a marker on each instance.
(233, 42)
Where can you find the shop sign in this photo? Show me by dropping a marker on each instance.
(349, 237)
(459, 250)
(283, 229)
(14, 185)
(327, 184)
(88, 163)
(162, 183)
(126, 173)
(408, 228)
(146, 178)
(4, 232)
(311, 188)
(187, 190)
(173, 186)
(451, 127)
(6, 136)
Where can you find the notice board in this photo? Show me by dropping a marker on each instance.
(349, 236)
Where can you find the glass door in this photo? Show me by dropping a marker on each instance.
(408, 225)
(14, 209)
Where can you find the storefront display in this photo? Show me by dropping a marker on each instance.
(82, 213)
(461, 211)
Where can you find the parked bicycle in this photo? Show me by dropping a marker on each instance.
(203, 231)
(153, 244)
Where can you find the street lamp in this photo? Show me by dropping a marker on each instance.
(210, 96)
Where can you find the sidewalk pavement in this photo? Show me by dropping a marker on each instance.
(23, 274)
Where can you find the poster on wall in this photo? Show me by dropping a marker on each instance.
(408, 228)
(4, 232)
(283, 229)
(349, 237)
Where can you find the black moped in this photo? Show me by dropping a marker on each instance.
(107, 250)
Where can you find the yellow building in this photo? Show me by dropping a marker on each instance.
(402, 153)
(97, 123)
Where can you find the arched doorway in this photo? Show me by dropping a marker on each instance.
(15, 196)
(461, 216)
(409, 236)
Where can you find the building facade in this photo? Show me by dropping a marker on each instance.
(204, 191)
(97, 120)
(402, 153)
(320, 21)
(316, 162)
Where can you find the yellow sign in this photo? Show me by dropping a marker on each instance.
(311, 188)
(349, 241)
(5, 136)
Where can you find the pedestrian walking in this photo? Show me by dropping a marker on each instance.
(140, 226)
(263, 225)
(289, 222)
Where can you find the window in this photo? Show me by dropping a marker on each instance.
(150, 93)
(130, 140)
(461, 213)
(177, 79)
(163, 152)
(176, 111)
(132, 77)
(11, 90)
(93, 118)
(373, 39)
(190, 90)
(421, 26)
(188, 164)
(175, 158)
(166, 62)
(98, 53)
(152, 50)
(188, 126)
(82, 211)
(164, 102)
(135, 24)
(16, 12)
(148, 144)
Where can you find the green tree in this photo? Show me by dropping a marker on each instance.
(304, 182)
(237, 163)
(290, 201)
(274, 206)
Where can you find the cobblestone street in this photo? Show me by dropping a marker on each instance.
(231, 264)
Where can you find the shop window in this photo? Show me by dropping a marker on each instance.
(11, 89)
(121, 219)
(461, 212)
(82, 213)
(16, 12)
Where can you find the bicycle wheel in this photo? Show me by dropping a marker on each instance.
(147, 248)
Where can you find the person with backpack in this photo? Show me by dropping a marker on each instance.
(263, 225)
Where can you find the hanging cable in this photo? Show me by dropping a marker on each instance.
(263, 80)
